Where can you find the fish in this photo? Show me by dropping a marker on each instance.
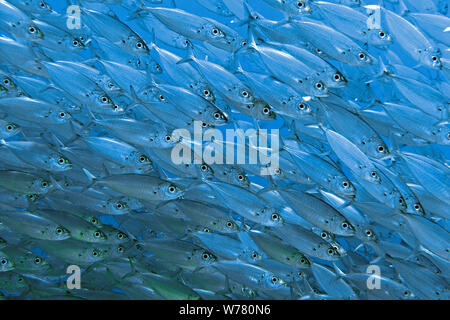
(134, 148)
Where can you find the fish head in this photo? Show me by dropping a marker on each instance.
(328, 251)
(117, 207)
(42, 185)
(272, 217)
(344, 186)
(98, 235)
(8, 83)
(300, 260)
(361, 58)
(262, 110)
(366, 234)
(203, 90)
(229, 226)
(273, 281)
(213, 116)
(238, 177)
(205, 257)
(136, 45)
(40, 263)
(59, 163)
(170, 191)
(345, 228)
(31, 32)
(378, 37)
(298, 7)
(372, 176)
(375, 147)
(206, 171)
(60, 233)
(431, 57)
(302, 108)
(6, 264)
(60, 116)
(154, 67)
(9, 129)
(336, 80)
(141, 161)
(318, 88)
(181, 42)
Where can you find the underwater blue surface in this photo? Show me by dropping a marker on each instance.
(356, 205)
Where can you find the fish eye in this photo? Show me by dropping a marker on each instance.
(161, 97)
(168, 138)
(368, 233)
(229, 224)
(301, 106)
(337, 77)
(300, 4)
(172, 189)
(400, 200)
(380, 149)
(9, 127)
(266, 110)
(59, 230)
(120, 249)
(406, 293)
(32, 29)
(37, 260)
(345, 184)
(275, 216)
(142, 158)
(244, 94)
(204, 124)
(274, 279)
(44, 184)
(139, 45)
(42, 4)
(97, 234)
(120, 235)
(31, 197)
(373, 174)
(206, 230)
(6, 81)
(319, 86)
(204, 167)
(254, 255)
(362, 56)
(94, 253)
(244, 43)
(4, 261)
(75, 43)
(382, 34)
(104, 99)
(62, 114)
(344, 225)
(205, 256)
(240, 177)
(417, 207)
(206, 92)
(318, 51)
(302, 261)
(216, 115)
(215, 31)
(434, 58)
(330, 251)
(94, 221)
(324, 235)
